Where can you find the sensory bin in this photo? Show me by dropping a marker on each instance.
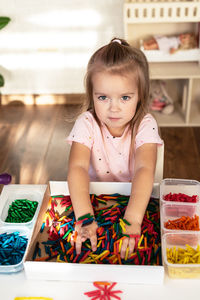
(180, 211)
(58, 226)
(50, 255)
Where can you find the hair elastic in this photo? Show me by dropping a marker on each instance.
(117, 40)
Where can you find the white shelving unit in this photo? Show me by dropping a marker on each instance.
(143, 19)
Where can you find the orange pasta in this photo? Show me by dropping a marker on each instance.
(183, 223)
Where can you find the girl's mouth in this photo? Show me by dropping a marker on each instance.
(114, 119)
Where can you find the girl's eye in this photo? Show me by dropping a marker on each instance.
(102, 97)
(125, 98)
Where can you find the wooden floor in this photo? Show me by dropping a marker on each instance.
(33, 148)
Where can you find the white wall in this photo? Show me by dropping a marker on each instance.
(46, 46)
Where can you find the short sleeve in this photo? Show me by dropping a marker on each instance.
(147, 132)
(82, 131)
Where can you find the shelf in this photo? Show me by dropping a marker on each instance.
(176, 119)
(178, 70)
(195, 114)
(189, 55)
(190, 115)
(144, 18)
(173, 120)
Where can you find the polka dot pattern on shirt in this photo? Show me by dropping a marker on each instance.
(109, 160)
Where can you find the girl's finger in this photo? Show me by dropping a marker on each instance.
(131, 246)
(78, 244)
(84, 234)
(124, 247)
(93, 240)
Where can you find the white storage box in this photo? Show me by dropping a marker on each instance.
(45, 270)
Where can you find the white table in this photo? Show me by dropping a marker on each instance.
(16, 285)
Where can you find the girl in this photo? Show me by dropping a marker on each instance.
(115, 139)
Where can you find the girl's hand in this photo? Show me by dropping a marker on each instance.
(84, 233)
(129, 242)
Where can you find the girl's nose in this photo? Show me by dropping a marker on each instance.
(114, 105)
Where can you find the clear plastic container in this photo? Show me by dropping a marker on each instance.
(12, 196)
(8, 195)
(180, 240)
(23, 231)
(172, 211)
(184, 186)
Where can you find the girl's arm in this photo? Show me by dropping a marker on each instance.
(78, 182)
(142, 183)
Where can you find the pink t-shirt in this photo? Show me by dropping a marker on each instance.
(109, 160)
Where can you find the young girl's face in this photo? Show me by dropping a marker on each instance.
(115, 100)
